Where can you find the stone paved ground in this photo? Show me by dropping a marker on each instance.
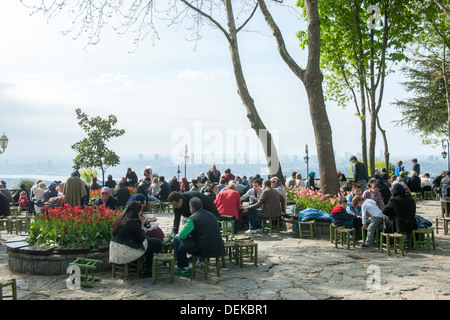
(289, 269)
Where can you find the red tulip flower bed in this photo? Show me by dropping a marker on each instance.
(73, 227)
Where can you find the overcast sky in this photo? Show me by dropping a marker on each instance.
(163, 94)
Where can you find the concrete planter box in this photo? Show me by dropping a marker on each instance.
(42, 260)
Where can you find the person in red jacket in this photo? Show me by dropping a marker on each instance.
(228, 202)
(342, 218)
(228, 176)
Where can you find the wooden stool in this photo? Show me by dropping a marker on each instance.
(399, 242)
(3, 223)
(272, 223)
(445, 221)
(247, 249)
(416, 196)
(206, 266)
(445, 208)
(165, 258)
(10, 283)
(421, 241)
(127, 267)
(230, 251)
(154, 207)
(332, 232)
(166, 206)
(88, 266)
(428, 195)
(376, 238)
(343, 235)
(227, 226)
(309, 232)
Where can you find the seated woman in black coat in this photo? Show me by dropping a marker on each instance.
(401, 210)
(128, 240)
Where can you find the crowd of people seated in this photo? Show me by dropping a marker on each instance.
(383, 203)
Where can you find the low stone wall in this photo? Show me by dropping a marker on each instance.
(41, 260)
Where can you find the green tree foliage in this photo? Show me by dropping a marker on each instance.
(360, 42)
(92, 151)
(426, 112)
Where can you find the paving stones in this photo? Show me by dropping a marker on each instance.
(289, 268)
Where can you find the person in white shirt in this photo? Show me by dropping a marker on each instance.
(372, 217)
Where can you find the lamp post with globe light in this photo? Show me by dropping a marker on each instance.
(186, 159)
(3, 142)
(444, 153)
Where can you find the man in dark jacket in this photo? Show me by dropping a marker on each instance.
(164, 190)
(445, 186)
(131, 177)
(143, 187)
(437, 182)
(180, 203)
(360, 175)
(174, 184)
(204, 230)
(271, 200)
(122, 194)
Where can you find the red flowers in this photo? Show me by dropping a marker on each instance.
(68, 226)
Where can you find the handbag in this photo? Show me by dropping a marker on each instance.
(187, 245)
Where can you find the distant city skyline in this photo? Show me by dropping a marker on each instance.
(59, 168)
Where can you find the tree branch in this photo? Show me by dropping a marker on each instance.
(298, 71)
(248, 19)
(442, 7)
(207, 16)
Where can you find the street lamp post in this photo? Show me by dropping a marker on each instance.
(178, 172)
(3, 142)
(306, 158)
(444, 153)
(186, 159)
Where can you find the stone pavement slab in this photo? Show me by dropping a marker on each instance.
(289, 268)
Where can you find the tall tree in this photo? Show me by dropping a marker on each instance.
(92, 151)
(359, 41)
(311, 78)
(91, 16)
(427, 112)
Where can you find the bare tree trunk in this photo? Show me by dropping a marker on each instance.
(312, 79)
(386, 149)
(362, 90)
(256, 123)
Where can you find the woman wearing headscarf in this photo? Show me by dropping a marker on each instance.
(51, 192)
(401, 210)
(106, 199)
(213, 174)
(184, 185)
(128, 240)
(310, 183)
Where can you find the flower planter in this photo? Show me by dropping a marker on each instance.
(43, 260)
